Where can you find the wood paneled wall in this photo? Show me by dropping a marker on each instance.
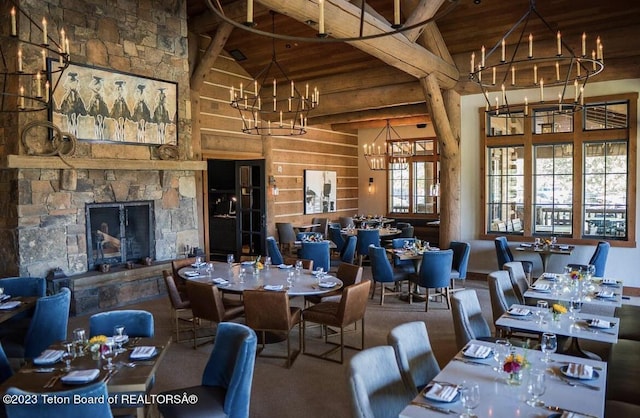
(286, 158)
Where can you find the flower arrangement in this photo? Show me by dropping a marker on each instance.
(95, 343)
(557, 310)
(514, 365)
(575, 275)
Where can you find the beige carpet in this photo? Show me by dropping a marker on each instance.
(311, 387)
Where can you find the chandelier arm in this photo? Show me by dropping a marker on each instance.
(219, 12)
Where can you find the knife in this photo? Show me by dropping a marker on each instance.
(433, 408)
(470, 361)
(561, 410)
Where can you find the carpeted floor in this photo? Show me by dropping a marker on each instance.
(311, 387)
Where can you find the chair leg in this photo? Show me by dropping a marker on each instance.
(381, 293)
(426, 299)
(447, 296)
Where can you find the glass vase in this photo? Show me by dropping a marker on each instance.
(515, 378)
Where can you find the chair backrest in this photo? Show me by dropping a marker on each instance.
(468, 322)
(367, 237)
(285, 232)
(461, 252)
(399, 243)
(137, 323)
(435, 270)
(274, 252)
(349, 274)
(322, 229)
(417, 363)
(381, 270)
(61, 409)
(177, 299)
(49, 323)
(599, 257)
(5, 367)
(518, 279)
(24, 286)
(180, 263)
(501, 292)
(377, 387)
(206, 301)
(346, 221)
(407, 231)
(231, 365)
(266, 310)
(318, 252)
(348, 252)
(502, 251)
(353, 303)
(335, 235)
(401, 225)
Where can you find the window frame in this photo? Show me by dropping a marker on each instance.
(578, 138)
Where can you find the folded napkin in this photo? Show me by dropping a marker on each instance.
(247, 263)
(441, 393)
(610, 282)
(197, 265)
(143, 352)
(550, 276)
(220, 280)
(285, 266)
(80, 376)
(601, 294)
(48, 357)
(526, 244)
(519, 311)
(191, 273)
(599, 323)
(327, 284)
(579, 371)
(273, 287)
(563, 247)
(541, 287)
(10, 305)
(477, 351)
(4, 297)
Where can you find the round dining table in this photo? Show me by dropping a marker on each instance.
(242, 276)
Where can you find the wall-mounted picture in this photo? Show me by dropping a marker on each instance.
(97, 104)
(319, 191)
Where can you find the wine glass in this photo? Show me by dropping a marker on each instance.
(119, 338)
(541, 313)
(536, 387)
(80, 340)
(267, 263)
(500, 352)
(470, 397)
(108, 353)
(290, 276)
(548, 345)
(298, 267)
(230, 260)
(575, 305)
(68, 355)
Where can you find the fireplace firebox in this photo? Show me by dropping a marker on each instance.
(119, 232)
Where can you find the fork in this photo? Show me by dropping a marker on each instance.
(51, 382)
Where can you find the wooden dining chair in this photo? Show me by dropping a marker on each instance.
(180, 304)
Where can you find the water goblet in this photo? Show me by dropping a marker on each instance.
(470, 398)
(541, 313)
(119, 337)
(243, 272)
(575, 305)
(80, 340)
(68, 355)
(500, 353)
(267, 263)
(230, 260)
(108, 353)
(290, 278)
(536, 387)
(298, 267)
(548, 345)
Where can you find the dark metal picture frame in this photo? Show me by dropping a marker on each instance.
(320, 194)
(103, 105)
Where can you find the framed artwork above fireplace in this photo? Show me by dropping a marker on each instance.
(103, 105)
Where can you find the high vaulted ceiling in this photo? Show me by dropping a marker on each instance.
(368, 82)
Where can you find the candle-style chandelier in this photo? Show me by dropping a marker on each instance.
(24, 72)
(270, 107)
(559, 76)
(393, 151)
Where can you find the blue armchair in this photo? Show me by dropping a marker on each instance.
(24, 286)
(504, 255)
(598, 259)
(366, 237)
(318, 252)
(5, 367)
(137, 323)
(227, 378)
(335, 235)
(461, 252)
(274, 252)
(67, 409)
(435, 273)
(404, 265)
(382, 272)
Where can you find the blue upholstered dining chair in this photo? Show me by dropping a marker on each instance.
(404, 265)
(5, 367)
(68, 409)
(416, 361)
(274, 252)
(24, 286)
(335, 235)
(435, 273)
(137, 323)
(377, 387)
(504, 255)
(348, 252)
(382, 272)
(225, 390)
(598, 259)
(468, 322)
(318, 252)
(47, 326)
(366, 237)
(461, 252)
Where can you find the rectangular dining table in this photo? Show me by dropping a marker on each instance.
(500, 400)
(564, 294)
(26, 303)
(131, 379)
(545, 251)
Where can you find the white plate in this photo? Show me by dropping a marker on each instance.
(564, 369)
(327, 284)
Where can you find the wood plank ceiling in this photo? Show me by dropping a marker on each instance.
(359, 89)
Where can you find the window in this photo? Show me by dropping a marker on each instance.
(413, 180)
(569, 175)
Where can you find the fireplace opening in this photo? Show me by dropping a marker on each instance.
(119, 232)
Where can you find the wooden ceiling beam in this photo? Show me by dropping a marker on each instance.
(421, 10)
(398, 116)
(342, 19)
